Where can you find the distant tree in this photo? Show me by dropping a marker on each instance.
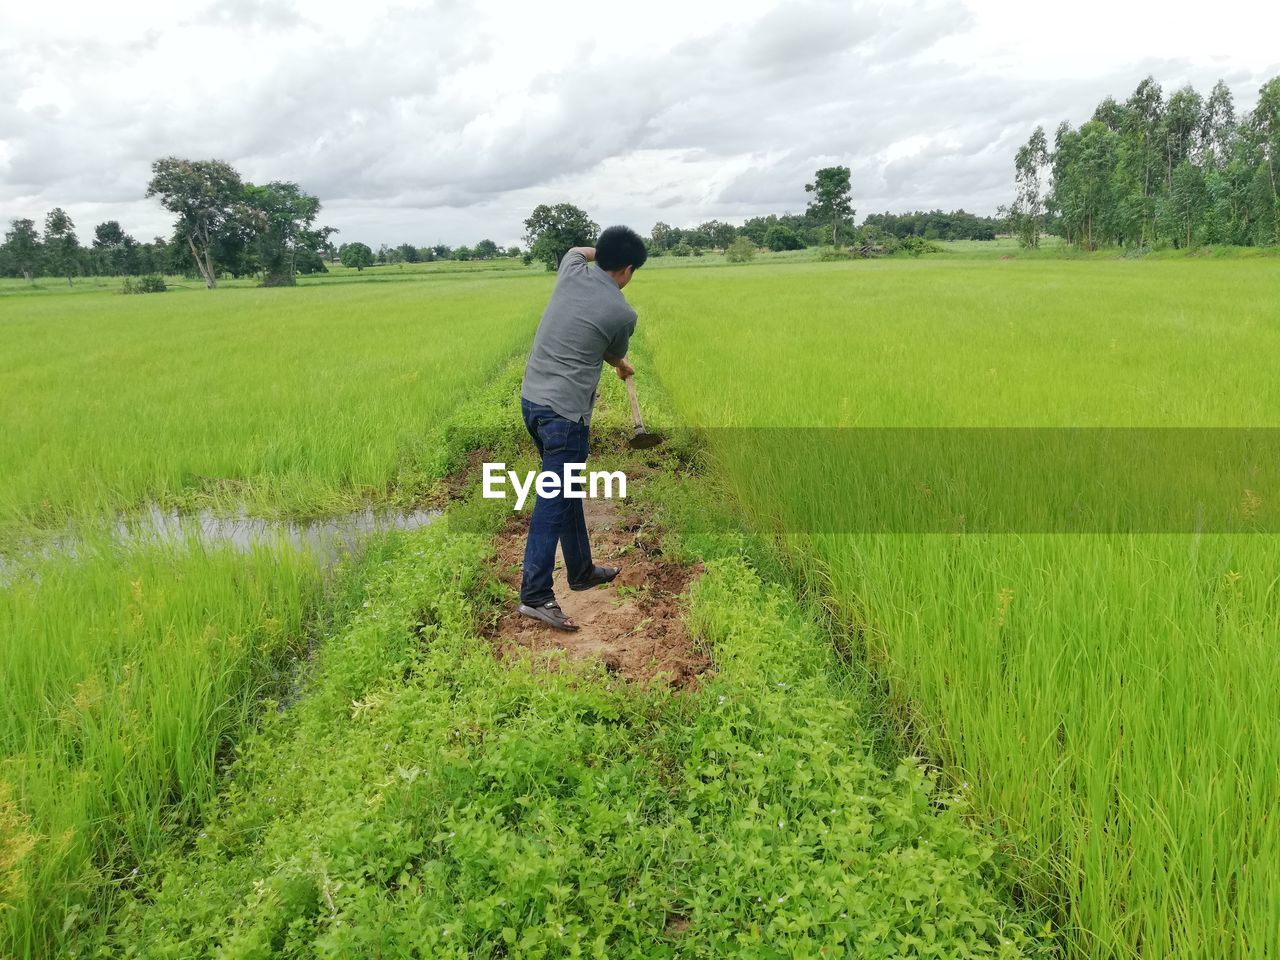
(116, 249)
(463, 253)
(719, 234)
(832, 198)
(682, 249)
(1218, 127)
(486, 250)
(550, 232)
(108, 234)
(409, 253)
(661, 235)
(1264, 131)
(204, 194)
(1028, 206)
(1187, 200)
(778, 238)
(22, 243)
(697, 237)
(442, 251)
(356, 255)
(755, 228)
(740, 251)
(61, 247)
(279, 215)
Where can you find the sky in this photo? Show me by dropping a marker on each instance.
(447, 122)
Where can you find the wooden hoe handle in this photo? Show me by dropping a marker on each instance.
(635, 404)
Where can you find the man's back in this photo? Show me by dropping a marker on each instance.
(586, 320)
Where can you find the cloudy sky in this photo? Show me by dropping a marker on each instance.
(448, 121)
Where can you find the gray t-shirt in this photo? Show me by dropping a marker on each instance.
(586, 320)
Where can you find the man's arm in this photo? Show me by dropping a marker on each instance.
(622, 366)
(588, 252)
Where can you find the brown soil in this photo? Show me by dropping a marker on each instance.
(634, 625)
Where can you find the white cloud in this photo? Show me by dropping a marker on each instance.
(449, 121)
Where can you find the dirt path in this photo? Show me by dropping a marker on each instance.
(634, 625)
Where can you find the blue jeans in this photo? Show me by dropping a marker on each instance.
(555, 519)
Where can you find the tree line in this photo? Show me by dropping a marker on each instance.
(228, 226)
(828, 219)
(1181, 171)
(361, 255)
(224, 225)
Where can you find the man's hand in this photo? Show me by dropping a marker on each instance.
(623, 368)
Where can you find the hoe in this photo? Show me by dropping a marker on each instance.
(642, 439)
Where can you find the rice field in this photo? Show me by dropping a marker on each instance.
(131, 669)
(1101, 701)
(311, 401)
(1110, 696)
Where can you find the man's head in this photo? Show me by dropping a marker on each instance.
(620, 252)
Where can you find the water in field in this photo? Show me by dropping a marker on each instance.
(326, 538)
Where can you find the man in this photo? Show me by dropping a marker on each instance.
(587, 322)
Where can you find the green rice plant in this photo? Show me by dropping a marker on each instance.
(128, 673)
(1109, 697)
(297, 402)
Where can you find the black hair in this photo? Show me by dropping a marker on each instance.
(619, 248)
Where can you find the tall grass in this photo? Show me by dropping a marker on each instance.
(1111, 699)
(127, 673)
(289, 401)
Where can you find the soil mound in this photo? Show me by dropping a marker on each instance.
(634, 625)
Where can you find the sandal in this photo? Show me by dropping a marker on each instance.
(599, 577)
(550, 614)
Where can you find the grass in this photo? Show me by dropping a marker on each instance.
(299, 401)
(1103, 705)
(127, 673)
(424, 799)
(1110, 697)
(130, 670)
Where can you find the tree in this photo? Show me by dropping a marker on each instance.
(740, 251)
(23, 245)
(486, 250)
(832, 198)
(661, 236)
(1028, 205)
(280, 215)
(409, 253)
(550, 232)
(1183, 171)
(1187, 200)
(117, 248)
(718, 233)
(205, 195)
(356, 255)
(1218, 127)
(779, 237)
(1264, 125)
(60, 244)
